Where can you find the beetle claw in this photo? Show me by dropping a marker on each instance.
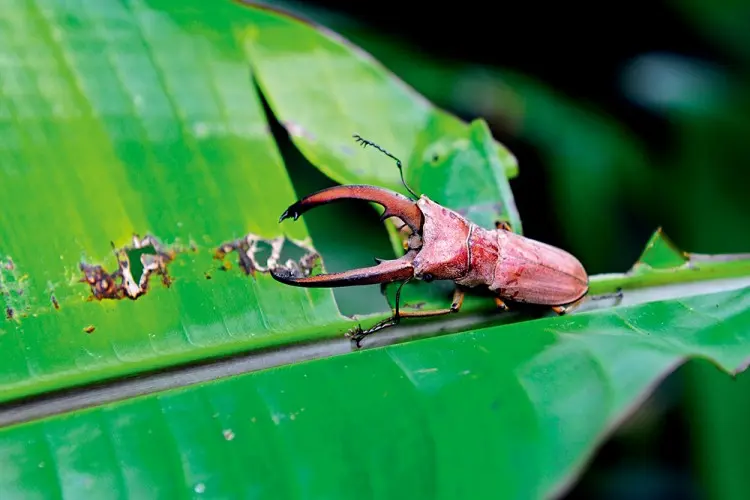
(356, 334)
(289, 212)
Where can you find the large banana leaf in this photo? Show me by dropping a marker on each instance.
(142, 117)
(145, 121)
(501, 412)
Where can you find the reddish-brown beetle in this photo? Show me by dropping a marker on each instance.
(444, 245)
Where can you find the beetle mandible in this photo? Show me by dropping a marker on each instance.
(444, 245)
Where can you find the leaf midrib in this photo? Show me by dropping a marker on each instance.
(72, 399)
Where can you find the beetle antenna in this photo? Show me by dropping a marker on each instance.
(365, 143)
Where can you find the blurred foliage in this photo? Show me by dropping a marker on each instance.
(680, 164)
(686, 174)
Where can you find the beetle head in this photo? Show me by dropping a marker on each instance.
(386, 271)
(437, 249)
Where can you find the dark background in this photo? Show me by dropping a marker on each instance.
(624, 117)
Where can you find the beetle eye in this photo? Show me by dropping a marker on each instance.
(427, 277)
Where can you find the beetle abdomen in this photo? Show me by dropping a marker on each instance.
(537, 273)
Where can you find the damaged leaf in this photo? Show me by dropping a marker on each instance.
(247, 248)
(135, 265)
(542, 393)
(263, 255)
(168, 137)
(167, 105)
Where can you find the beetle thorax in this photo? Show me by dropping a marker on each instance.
(445, 238)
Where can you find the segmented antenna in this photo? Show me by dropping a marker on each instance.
(365, 143)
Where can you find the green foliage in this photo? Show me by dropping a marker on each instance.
(163, 136)
(500, 412)
(157, 129)
(459, 166)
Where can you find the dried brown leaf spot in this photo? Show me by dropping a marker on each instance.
(135, 265)
(257, 254)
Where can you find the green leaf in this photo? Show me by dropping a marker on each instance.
(151, 129)
(661, 253)
(142, 118)
(128, 144)
(584, 150)
(503, 412)
(467, 175)
(323, 90)
(723, 22)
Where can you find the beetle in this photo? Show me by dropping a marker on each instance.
(444, 245)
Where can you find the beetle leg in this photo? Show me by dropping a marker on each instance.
(501, 224)
(357, 333)
(458, 301)
(395, 204)
(501, 304)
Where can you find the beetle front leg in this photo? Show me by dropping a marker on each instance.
(357, 334)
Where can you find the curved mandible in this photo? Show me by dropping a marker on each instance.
(387, 271)
(395, 204)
